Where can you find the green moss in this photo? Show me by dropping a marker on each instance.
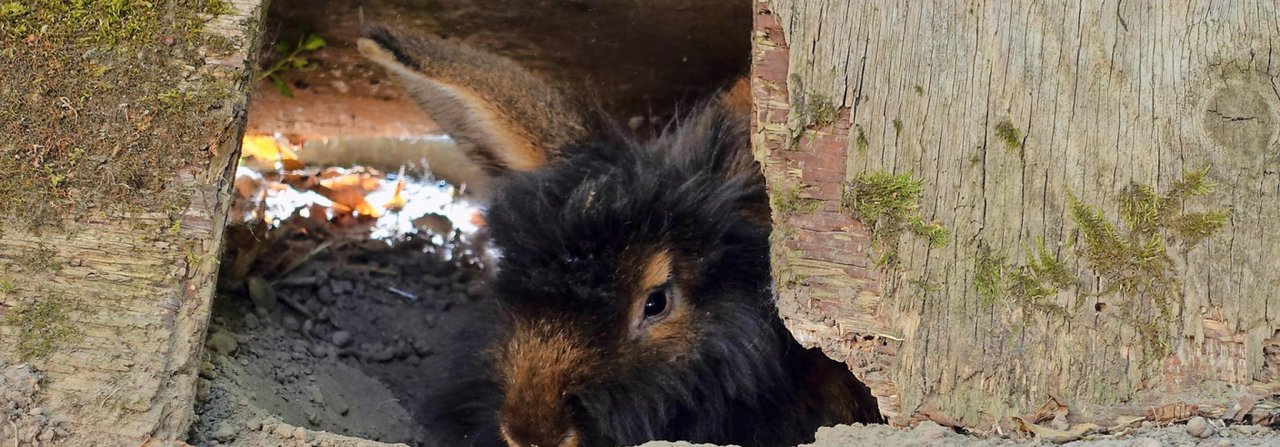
(897, 127)
(888, 204)
(989, 276)
(819, 111)
(7, 287)
(96, 106)
(918, 89)
(810, 111)
(1134, 260)
(1030, 284)
(789, 203)
(1011, 136)
(42, 326)
(860, 140)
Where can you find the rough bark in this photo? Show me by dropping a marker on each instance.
(107, 265)
(1007, 112)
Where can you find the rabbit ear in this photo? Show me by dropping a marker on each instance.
(502, 116)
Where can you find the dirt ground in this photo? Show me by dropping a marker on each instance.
(349, 342)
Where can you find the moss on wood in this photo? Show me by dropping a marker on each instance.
(95, 100)
(889, 205)
(1011, 136)
(42, 326)
(1028, 285)
(1134, 259)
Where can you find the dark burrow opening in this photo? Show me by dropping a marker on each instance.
(352, 281)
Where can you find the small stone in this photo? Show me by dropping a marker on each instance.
(300, 433)
(222, 343)
(340, 286)
(290, 323)
(1199, 427)
(261, 293)
(1225, 443)
(325, 295)
(206, 371)
(313, 417)
(931, 430)
(251, 321)
(340, 407)
(224, 431)
(284, 430)
(341, 338)
(307, 326)
(315, 394)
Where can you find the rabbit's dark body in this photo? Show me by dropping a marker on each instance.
(635, 293)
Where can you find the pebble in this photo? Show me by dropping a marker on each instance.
(325, 295)
(290, 323)
(251, 321)
(222, 343)
(261, 293)
(224, 431)
(931, 430)
(308, 325)
(341, 338)
(1199, 427)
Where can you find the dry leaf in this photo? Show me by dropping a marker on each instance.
(263, 152)
(397, 201)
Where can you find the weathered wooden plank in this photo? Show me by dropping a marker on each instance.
(121, 138)
(1005, 111)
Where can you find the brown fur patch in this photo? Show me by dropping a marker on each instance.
(650, 268)
(656, 271)
(737, 98)
(541, 364)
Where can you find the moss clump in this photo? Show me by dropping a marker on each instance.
(1135, 261)
(1011, 136)
(42, 326)
(789, 203)
(860, 141)
(1030, 284)
(889, 205)
(7, 287)
(96, 106)
(918, 89)
(897, 127)
(818, 110)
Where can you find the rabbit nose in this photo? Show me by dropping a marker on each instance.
(539, 437)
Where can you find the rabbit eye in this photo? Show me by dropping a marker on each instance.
(656, 303)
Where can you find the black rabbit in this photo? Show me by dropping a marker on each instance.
(633, 279)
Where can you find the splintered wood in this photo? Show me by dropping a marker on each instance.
(1107, 175)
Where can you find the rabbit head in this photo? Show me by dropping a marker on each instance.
(634, 278)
